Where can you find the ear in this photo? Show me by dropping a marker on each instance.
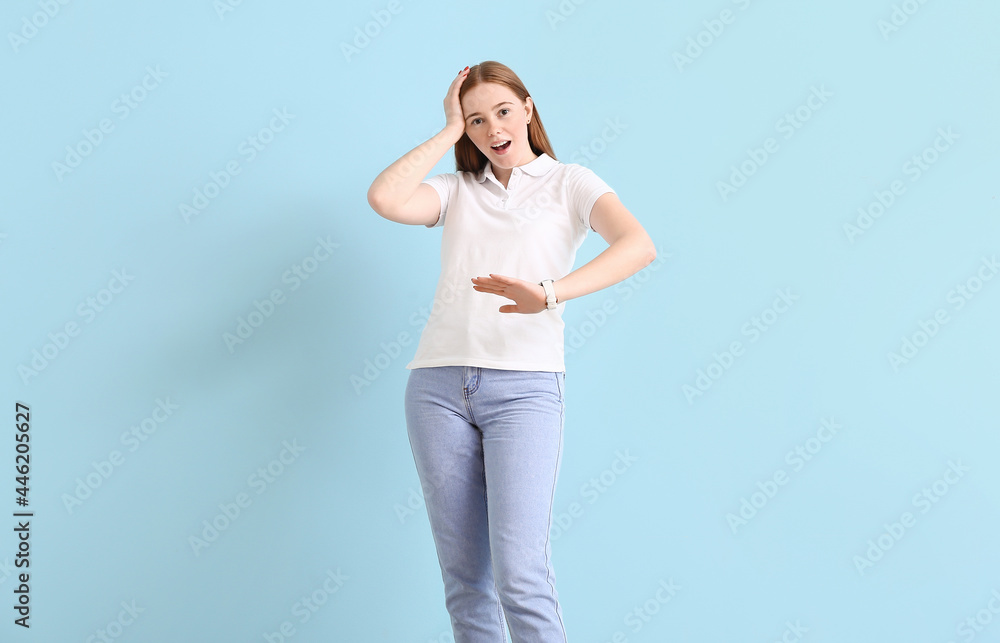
(529, 108)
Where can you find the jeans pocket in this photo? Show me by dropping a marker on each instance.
(561, 384)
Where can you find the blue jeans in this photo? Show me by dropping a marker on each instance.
(487, 444)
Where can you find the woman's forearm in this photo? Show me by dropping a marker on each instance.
(396, 184)
(619, 261)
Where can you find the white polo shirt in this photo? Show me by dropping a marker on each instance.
(530, 230)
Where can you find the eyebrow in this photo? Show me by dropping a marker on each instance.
(506, 102)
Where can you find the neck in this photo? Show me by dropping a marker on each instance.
(503, 173)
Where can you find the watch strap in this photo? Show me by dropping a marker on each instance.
(550, 293)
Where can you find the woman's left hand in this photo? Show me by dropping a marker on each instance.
(528, 297)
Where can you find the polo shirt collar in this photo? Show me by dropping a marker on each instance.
(537, 167)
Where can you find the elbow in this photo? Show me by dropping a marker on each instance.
(639, 247)
(646, 259)
(373, 199)
(648, 252)
(377, 203)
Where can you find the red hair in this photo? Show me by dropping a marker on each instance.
(468, 158)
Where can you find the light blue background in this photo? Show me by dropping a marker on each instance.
(341, 505)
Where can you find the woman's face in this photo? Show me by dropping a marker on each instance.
(494, 114)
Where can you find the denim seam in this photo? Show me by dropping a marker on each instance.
(548, 577)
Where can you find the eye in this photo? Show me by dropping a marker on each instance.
(475, 121)
(505, 109)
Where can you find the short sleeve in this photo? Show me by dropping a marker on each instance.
(444, 185)
(584, 188)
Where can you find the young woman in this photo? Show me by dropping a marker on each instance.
(484, 401)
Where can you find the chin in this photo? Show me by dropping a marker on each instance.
(507, 160)
(503, 161)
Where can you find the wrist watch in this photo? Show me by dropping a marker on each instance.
(550, 293)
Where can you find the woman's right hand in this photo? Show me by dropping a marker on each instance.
(454, 121)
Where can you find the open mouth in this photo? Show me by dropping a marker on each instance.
(501, 147)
